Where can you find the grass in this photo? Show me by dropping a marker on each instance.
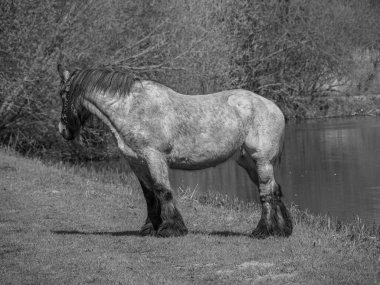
(71, 225)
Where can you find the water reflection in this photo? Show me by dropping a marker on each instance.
(329, 166)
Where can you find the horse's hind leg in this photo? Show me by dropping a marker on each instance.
(275, 218)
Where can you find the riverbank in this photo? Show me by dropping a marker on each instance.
(331, 106)
(69, 225)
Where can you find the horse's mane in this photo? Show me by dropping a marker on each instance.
(110, 81)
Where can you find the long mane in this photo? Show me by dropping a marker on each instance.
(90, 81)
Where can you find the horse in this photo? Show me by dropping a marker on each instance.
(157, 128)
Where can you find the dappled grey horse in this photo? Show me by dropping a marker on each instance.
(157, 128)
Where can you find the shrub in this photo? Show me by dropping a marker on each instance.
(282, 49)
(300, 48)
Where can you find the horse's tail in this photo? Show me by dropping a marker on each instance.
(277, 160)
(281, 151)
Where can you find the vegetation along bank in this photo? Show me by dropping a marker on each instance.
(72, 225)
(313, 58)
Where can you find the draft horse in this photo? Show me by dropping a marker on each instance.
(157, 128)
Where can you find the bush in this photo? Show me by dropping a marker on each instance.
(282, 49)
(300, 48)
(139, 36)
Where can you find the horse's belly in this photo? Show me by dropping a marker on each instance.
(192, 162)
(202, 153)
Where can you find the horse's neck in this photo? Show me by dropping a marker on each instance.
(111, 112)
(103, 108)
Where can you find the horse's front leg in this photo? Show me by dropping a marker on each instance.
(153, 219)
(164, 219)
(172, 222)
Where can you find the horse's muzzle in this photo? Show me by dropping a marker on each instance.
(65, 132)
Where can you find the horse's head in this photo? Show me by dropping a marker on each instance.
(73, 115)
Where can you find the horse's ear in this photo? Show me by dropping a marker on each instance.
(63, 73)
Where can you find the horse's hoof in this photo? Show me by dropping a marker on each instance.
(275, 221)
(260, 233)
(264, 232)
(171, 229)
(147, 230)
(281, 220)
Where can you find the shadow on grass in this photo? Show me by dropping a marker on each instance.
(221, 233)
(74, 232)
(137, 233)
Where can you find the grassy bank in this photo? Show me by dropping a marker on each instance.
(66, 225)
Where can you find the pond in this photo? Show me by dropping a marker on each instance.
(329, 166)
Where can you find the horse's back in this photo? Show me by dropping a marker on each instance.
(238, 98)
(248, 105)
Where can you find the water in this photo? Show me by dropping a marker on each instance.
(329, 167)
